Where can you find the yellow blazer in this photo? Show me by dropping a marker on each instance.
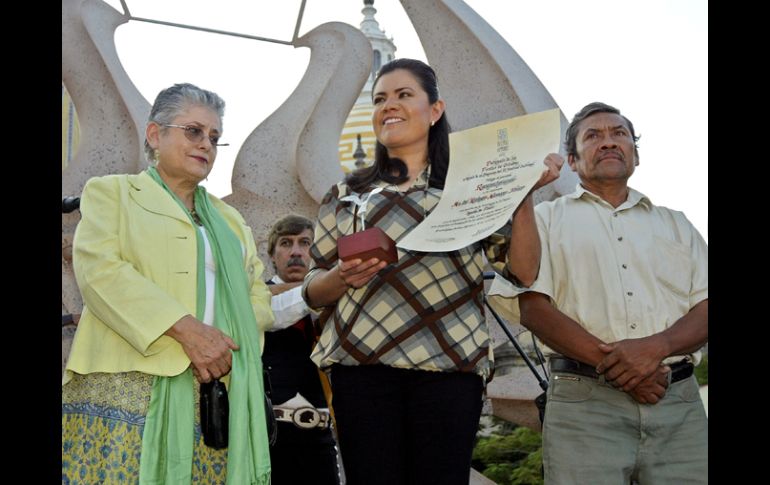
(135, 260)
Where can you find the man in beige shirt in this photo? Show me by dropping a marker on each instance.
(621, 302)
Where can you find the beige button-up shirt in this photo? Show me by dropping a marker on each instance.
(625, 272)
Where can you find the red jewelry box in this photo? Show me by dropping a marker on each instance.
(367, 244)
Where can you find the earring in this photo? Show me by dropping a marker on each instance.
(433, 122)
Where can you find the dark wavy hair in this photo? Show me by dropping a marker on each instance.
(570, 143)
(438, 137)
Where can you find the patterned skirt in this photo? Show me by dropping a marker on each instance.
(102, 423)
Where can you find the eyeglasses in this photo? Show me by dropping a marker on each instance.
(195, 135)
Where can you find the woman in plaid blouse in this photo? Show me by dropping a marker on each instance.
(407, 343)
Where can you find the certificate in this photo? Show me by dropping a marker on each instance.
(492, 168)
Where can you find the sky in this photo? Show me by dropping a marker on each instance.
(648, 58)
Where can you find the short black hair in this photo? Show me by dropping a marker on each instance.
(570, 144)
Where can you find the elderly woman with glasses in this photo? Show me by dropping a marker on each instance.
(170, 279)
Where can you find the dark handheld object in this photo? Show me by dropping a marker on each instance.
(69, 204)
(272, 423)
(367, 244)
(215, 414)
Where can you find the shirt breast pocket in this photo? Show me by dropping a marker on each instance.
(673, 266)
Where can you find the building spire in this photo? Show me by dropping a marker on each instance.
(369, 26)
(357, 138)
(359, 155)
(383, 48)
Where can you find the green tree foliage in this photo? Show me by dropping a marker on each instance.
(510, 459)
(530, 470)
(499, 473)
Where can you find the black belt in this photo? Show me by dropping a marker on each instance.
(679, 370)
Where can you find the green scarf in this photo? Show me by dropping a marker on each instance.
(167, 441)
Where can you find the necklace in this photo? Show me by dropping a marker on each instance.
(195, 216)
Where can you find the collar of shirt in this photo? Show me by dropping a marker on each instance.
(421, 180)
(277, 280)
(634, 197)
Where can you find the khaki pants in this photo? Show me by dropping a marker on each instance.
(595, 434)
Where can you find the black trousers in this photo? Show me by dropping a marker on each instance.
(302, 456)
(401, 426)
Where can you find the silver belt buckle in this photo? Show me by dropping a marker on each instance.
(306, 418)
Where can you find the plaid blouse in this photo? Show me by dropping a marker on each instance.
(423, 312)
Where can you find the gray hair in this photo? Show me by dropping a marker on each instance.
(174, 100)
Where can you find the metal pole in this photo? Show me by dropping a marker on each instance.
(540, 380)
